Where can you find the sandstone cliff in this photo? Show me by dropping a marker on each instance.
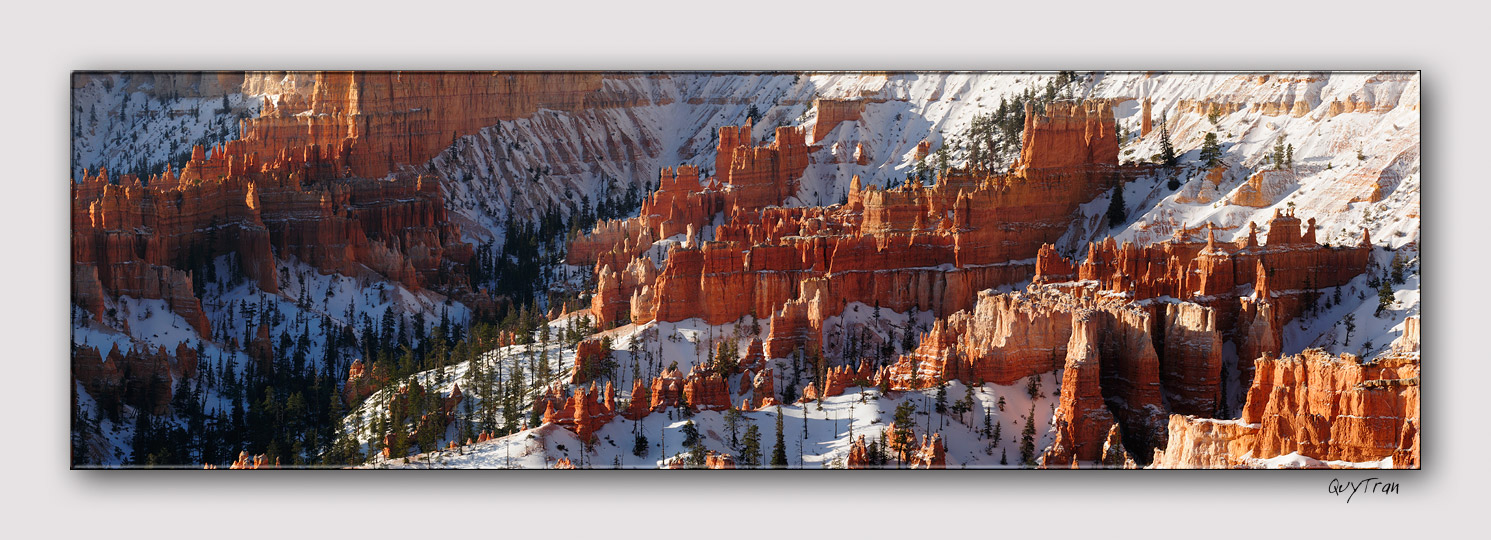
(1340, 410)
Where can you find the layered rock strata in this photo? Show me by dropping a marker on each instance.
(319, 176)
(916, 246)
(1339, 410)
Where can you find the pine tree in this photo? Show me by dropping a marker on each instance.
(779, 451)
(908, 339)
(1385, 297)
(750, 451)
(1167, 149)
(1350, 321)
(694, 443)
(902, 436)
(1211, 151)
(965, 404)
(1116, 210)
(1398, 266)
(1027, 439)
(639, 444)
(1277, 156)
(732, 424)
(690, 433)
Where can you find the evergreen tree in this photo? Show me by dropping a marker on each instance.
(1167, 149)
(965, 404)
(690, 433)
(1309, 297)
(908, 338)
(1116, 210)
(902, 436)
(1211, 151)
(1385, 297)
(639, 444)
(779, 451)
(1398, 267)
(694, 443)
(1277, 156)
(1027, 439)
(750, 451)
(732, 424)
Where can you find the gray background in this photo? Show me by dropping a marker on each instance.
(42, 43)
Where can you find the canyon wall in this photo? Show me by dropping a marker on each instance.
(1339, 410)
(318, 176)
(918, 247)
(1108, 351)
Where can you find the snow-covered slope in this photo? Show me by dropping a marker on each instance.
(122, 122)
(815, 436)
(331, 303)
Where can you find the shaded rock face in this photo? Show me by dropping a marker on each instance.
(141, 377)
(1322, 406)
(1115, 456)
(1111, 378)
(1190, 358)
(1109, 352)
(1082, 419)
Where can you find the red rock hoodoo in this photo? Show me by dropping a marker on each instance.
(1338, 410)
(915, 246)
